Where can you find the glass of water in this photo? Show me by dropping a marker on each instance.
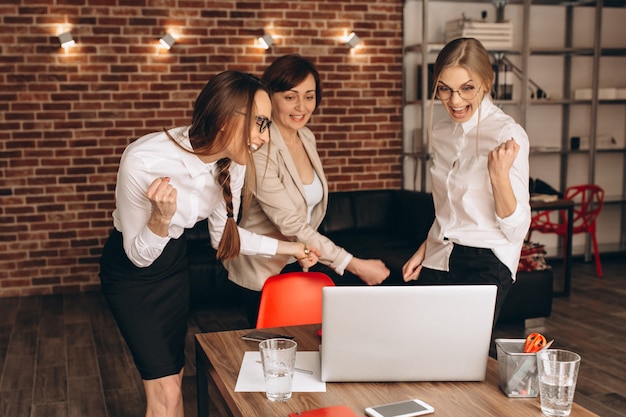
(278, 357)
(557, 374)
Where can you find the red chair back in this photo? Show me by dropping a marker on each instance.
(589, 199)
(291, 299)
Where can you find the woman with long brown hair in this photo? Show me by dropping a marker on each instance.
(167, 182)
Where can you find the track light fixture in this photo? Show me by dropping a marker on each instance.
(266, 41)
(353, 40)
(66, 40)
(167, 41)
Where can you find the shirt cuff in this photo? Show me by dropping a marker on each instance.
(148, 239)
(268, 246)
(146, 248)
(341, 268)
(514, 219)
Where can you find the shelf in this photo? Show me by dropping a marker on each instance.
(614, 199)
(585, 3)
(433, 48)
(577, 51)
(578, 3)
(552, 102)
(419, 48)
(573, 151)
(438, 103)
(610, 150)
(546, 151)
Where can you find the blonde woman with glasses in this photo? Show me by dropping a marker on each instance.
(479, 180)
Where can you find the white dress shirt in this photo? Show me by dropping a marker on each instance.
(198, 197)
(462, 193)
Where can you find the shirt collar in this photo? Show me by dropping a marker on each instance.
(482, 111)
(191, 161)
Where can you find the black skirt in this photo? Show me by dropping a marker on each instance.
(150, 305)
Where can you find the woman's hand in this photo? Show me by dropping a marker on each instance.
(371, 271)
(501, 159)
(311, 259)
(307, 256)
(162, 196)
(499, 165)
(412, 268)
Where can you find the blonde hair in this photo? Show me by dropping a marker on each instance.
(469, 54)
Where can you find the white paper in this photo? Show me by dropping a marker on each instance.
(251, 379)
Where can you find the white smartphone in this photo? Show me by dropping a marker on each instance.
(408, 408)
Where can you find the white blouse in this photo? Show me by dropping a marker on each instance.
(313, 193)
(198, 197)
(462, 193)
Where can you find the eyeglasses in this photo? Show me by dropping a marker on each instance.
(263, 123)
(467, 92)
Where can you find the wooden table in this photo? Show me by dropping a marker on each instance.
(568, 205)
(219, 356)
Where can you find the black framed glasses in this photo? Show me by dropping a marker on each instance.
(467, 92)
(263, 123)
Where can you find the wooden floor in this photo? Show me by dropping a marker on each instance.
(62, 355)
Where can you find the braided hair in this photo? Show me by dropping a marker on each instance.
(213, 128)
(229, 244)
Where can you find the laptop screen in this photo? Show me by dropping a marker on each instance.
(413, 333)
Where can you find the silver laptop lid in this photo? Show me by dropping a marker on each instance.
(413, 333)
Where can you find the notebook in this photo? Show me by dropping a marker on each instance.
(415, 333)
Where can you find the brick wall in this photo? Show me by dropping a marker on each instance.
(67, 115)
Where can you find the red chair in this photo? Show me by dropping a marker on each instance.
(588, 201)
(292, 298)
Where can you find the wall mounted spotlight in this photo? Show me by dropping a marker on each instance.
(353, 40)
(266, 41)
(66, 39)
(167, 41)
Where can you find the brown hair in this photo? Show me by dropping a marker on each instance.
(288, 71)
(216, 117)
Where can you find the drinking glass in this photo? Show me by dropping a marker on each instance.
(278, 357)
(557, 374)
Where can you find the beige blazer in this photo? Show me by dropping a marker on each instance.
(278, 209)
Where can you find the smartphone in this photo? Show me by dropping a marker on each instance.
(259, 336)
(408, 408)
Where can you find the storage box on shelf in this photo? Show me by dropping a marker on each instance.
(493, 35)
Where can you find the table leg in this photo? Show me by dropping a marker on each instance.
(568, 251)
(202, 381)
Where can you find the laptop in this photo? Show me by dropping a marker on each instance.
(413, 333)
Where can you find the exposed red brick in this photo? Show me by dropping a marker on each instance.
(66, 116)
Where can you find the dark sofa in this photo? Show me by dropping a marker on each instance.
(384, 224)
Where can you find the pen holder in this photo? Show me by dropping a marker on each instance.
(517, 370)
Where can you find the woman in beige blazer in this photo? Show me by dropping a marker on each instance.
(291, 195)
